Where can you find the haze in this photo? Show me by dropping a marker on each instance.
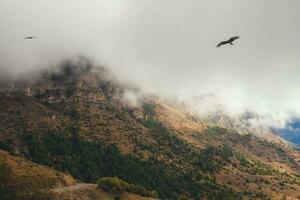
(168, 48)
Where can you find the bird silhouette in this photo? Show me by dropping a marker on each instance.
(30, 38)
(230, 41)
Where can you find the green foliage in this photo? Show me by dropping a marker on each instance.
(208, 161)
(215, 130)
(149, 109)
(113, 184)
(242, 159)
(168, 143)
(257, 168)
(213, 158)
(117, 198)
(88, 161)
(5, 145)
(279, 151)
(116, 185)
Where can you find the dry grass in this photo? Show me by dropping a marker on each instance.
(24, 169)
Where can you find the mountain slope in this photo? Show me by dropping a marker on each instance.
(21, 179)
(76, 121)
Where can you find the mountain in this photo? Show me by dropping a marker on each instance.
(75, 120)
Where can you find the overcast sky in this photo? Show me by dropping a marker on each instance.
(168, 47)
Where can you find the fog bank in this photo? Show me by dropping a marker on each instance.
(168, 48)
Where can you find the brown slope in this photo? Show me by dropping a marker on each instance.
(278, 156)
(22, 169)
(94, 105)
(80, 99)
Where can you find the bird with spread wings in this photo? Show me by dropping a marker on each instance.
(30, 38)
(230, 41)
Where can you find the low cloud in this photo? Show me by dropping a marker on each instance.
(167, 48)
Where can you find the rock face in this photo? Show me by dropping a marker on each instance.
(74, 119)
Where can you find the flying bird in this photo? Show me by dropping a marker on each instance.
(230, 41)
(30, 38)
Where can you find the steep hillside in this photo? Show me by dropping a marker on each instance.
(21, 179)
(75, 120)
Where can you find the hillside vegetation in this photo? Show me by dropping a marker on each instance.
(75, 121)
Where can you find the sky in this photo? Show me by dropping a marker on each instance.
(291, 132)
(168, 48)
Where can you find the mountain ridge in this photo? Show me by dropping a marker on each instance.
(76, 120)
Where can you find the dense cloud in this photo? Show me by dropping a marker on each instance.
(168, 47)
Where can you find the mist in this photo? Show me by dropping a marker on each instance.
(168, 48)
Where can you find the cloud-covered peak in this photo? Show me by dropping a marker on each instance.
(168, 48)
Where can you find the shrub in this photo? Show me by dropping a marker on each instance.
(5, 145)
(112, 184)
(116, 185)
(149, 109)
